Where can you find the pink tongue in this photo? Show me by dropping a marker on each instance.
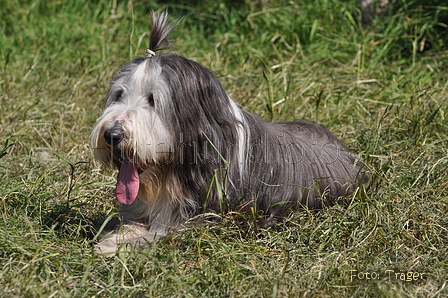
(128, 183)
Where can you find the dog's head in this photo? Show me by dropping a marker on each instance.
(157, 108)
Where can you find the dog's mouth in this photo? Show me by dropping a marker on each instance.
(128, 182)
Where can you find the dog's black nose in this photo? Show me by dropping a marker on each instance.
(113, 136)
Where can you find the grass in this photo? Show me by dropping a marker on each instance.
(382, 89)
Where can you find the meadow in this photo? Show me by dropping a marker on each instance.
(381, 88)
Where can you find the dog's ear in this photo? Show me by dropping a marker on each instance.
(160, 30)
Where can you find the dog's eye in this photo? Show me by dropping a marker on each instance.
(150, 99)
(119, 95)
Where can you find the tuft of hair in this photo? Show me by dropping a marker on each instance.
(160, 29)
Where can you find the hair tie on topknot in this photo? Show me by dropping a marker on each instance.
(150, 53)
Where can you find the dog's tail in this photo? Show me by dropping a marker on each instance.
(160, 30)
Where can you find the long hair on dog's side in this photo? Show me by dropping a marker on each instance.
(170, 120)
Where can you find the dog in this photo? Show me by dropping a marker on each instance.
(184, 147)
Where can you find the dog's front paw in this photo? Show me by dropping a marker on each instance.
(128, 237)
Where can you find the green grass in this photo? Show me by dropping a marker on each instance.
(381, 89)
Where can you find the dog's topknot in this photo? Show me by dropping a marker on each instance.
(160, 30)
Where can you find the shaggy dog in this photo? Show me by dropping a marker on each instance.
(184, 147)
